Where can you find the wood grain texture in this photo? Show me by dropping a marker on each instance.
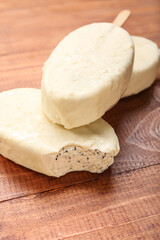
(121, 203)
(104, 205)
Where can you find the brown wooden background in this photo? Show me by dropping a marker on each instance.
(124, 201)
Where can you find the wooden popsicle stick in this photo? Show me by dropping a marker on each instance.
(122, 17)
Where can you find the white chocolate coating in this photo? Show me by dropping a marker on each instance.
(145, 65)
(28, 138)
(86, 74)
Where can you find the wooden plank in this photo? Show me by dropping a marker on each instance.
(34, 26)
(135, 121)
(144, 228)
(120, 207)
(19, 78)
(30, 59)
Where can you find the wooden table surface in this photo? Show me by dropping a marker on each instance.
(124, 201)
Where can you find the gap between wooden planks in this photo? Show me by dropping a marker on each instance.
(117, 207)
